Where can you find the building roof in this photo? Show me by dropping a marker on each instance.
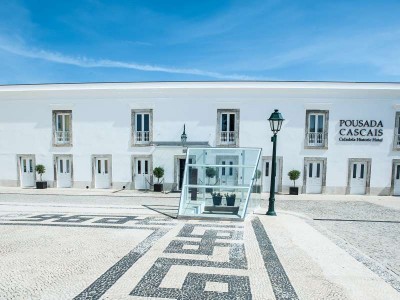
(203, 85)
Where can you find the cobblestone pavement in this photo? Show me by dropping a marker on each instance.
(64, 247)
(371, 229)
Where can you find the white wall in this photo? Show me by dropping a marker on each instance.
(102, 120)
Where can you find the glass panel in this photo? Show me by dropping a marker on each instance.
(231, 122)
(398, 172)
(223, 169)
(146, 122)
(224, 122)
(99, 166)
(24, 165)
(312, 123)
(67, 122)
(398, 126)
(59, 122)
(61, 166)
(318, 170)
(67, 165)
(106, 166)
(354, 170)
(310, 166)
(229, 197)
(267, 168)
(320, 123)
(146, 167)
(138, 122)
(31, 165)
(139, 167)
(362, 171)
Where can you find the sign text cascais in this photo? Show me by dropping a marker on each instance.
(360, 131)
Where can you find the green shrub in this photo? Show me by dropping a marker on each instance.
(40, 169)
(294, 175)
(158, 173)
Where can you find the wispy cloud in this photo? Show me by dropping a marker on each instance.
(85, 62)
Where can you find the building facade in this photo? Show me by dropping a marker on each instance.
(343, 137)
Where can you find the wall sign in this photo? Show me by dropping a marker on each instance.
(360, 131)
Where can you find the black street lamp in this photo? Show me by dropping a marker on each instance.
(183, 137)
(275, 121)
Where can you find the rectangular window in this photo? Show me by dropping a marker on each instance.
(318, 170)
(139, 166)
(146, 167)
(230, 169)
(316, 128)
(61, 166)
(267, 168)
(63, 127)
(31, 165)
(354, 170)
(310, 167)
(106, 166)
(398, 172)
(142, 127)
(67, 166)
(99, 166)
(362, 171)
(223, 169)
(227, 127)
(231, 122)
(224, 124)
(24, 165)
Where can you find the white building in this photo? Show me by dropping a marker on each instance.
(343, 137)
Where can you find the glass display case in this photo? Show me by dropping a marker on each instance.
(218, 183)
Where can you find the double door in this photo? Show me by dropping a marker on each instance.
(27, 170)
(267, 173)
(64, 171)
(102, 172)
(228, 173)
(142, 167)
(314, 171)
(358, 178)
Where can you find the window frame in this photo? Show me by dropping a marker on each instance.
(55, 114)
(325, 129)
(236, 125)
(396, 132)
(134, 113)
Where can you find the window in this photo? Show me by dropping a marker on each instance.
(396, 140)
(316, 129)
(142, 127)
(62, 127)
(228, 127)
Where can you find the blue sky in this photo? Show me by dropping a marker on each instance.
(93, 40)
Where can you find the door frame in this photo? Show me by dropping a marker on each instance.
(395, 161)
(368, 161)
(93, 159)
(176, 170)
(279, 161)
(133, 167)
(70, 156)
(19, 181)
(307, 160)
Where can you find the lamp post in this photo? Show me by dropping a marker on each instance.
(275, 121)
(183, 138)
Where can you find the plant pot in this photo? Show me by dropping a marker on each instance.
(158, 187)
(230, 201)
(209, 190)
(217, 200)
(293, 190)
(41, 185)
(256, 189)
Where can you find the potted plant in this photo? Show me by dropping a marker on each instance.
(294, 175)
(40, 169)
(158, 172)
(217, 198)
(256, 185)
(210, 173)
(230, 199)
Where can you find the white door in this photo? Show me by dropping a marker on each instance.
(228, 175)
(267, 172)
(64, 171)
(27, 171)
(396, 187)
(102, 176)
(314, 177)
(358, 180)
(142, 174)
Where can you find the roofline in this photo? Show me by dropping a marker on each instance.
(200, 85)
